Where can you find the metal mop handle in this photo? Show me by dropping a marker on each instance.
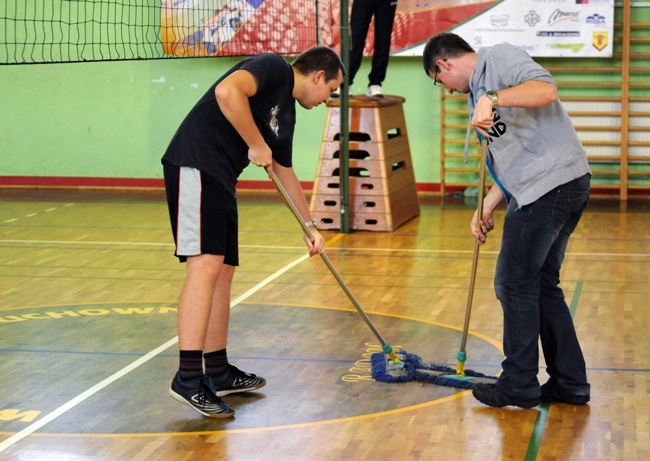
(387, 348)
(462, 355)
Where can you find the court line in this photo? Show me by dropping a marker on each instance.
(83, 396)
(124, 371)
(456, 396)
(336, 237)
(538, 433)
(31, 215)
(540, 423)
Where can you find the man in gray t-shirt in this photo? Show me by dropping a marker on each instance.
(541, 172)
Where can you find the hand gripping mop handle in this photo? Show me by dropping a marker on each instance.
(462, 355)
(387, 348)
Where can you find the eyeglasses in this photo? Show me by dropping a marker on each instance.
(435, 76)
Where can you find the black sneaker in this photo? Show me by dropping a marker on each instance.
(551, 393)
(233, 381)
(489, 395)
(198, 395)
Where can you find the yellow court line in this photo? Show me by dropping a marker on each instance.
(456, 396)
(488, 339)
(477, 334)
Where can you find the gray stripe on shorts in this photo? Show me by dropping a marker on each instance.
(189, 213)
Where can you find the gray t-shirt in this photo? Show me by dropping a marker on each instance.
(531, 150)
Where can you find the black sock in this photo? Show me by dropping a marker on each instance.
(216, 363)
(191, 364)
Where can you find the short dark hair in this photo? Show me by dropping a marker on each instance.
(319, 58)
(442, 46)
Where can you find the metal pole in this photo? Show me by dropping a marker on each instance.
(344, 139)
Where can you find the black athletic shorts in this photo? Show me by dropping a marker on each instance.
(203, 214)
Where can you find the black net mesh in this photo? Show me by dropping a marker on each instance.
(51, 31)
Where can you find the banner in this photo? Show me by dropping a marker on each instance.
(544, 28)
(245, 27)
(574, 28)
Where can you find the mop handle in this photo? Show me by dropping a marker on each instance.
(385, 346)
(470, 295)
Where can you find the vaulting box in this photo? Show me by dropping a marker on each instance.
(383, 195)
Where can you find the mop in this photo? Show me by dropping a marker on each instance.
(393, 361)
(413, 368)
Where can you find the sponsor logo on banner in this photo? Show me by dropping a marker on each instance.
(600, 40)
(562, 28)
(499, 21)
(559, 18)
(558, 33)
(596, 19)
(575, 47)
(532, 18)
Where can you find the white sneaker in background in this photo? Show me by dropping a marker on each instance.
(375, 91)
(337, 93)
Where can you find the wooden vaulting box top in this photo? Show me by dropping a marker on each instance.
(362, 101)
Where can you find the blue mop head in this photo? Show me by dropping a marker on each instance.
(414, 369)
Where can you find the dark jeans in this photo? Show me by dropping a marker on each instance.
(360, 17)
(527, 280)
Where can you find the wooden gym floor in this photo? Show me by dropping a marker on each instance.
(88, 285)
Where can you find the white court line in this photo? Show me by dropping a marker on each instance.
(266, 247)
(31, 215)
(124, 371)
(157, 244)
(366, 250)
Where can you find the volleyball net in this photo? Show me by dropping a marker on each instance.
(56, 31)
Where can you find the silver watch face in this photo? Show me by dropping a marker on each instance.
(493, 97)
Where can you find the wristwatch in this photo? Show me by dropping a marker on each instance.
(311, 223)
(493, 97)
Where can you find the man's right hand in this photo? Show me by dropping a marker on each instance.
(262, 157)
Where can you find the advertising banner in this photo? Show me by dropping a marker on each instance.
(245, 27)
(572, 28)
(560, 28)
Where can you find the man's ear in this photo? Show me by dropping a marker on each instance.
(316, 76)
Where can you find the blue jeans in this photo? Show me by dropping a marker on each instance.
(526, 283)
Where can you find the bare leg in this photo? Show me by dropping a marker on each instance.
(196, 298)
(217, 334)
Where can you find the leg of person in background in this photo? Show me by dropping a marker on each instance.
(360, 18)
(384, 18)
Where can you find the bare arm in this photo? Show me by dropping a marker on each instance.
(530, 94)
(490, 202)
(289, 181)
(232, 96)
